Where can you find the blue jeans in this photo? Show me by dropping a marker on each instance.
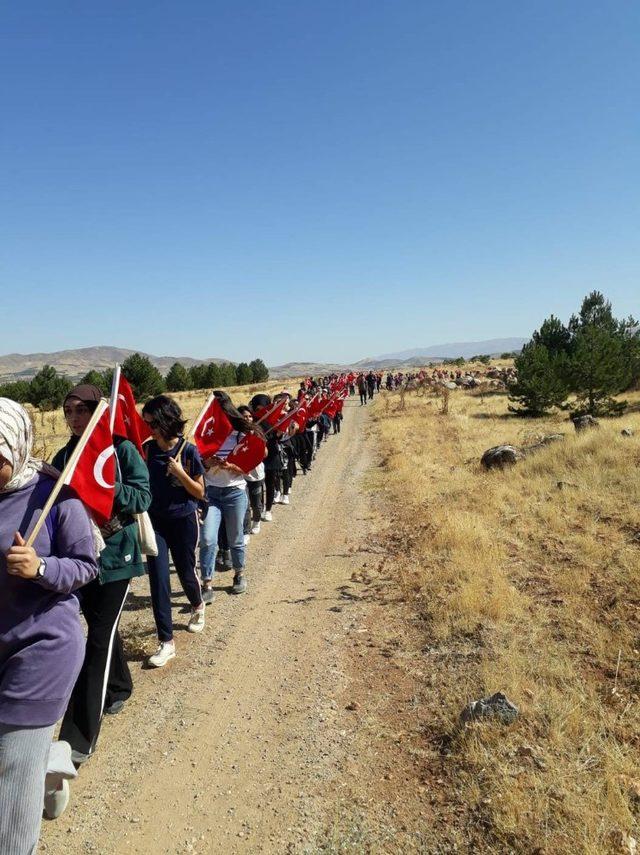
(230, 503)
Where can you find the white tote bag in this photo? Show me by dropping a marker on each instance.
(146, 535)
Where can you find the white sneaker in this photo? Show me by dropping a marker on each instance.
(284, 500)
(256, 528)
(267, 516)
(196, 621)
(276, 496)
(56, 799)
(166, 650)
(247, 538)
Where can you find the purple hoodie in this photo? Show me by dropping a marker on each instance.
(41, 639)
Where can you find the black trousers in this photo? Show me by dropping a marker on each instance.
(105, 674)
(336, 422)
(254, 505)
(363, 396)
(271, 483)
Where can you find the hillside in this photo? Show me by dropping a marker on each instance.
(76, 363)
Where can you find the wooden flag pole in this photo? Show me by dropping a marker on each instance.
(68, 469)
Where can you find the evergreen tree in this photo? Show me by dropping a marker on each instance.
(178, 379)
(259, 371)
(17, 391)
(554, 336)
(228, 374)
(143, 376)
(244, 375)
(541, 382)
(99, 379)
(213, 376)
(599, 369)
(198, 376)
(48, 389)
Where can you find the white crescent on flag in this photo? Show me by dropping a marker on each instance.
(98, 467)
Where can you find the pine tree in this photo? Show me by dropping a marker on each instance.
(541, 382)
(178, 379)
(598, 370)
(212, 376)
(17, 391)
(48, 389)
(198, 376)
(96, 378)
(228, 374)
(144, 377)
(244, 375)
(259, 371)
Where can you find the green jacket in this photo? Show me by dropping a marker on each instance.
(121, 558)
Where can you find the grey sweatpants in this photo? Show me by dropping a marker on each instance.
(24, 752)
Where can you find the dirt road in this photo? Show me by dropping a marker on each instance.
(242, 743)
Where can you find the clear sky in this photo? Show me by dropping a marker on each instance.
(313, 179)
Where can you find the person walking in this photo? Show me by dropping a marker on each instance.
(362, 389)
(176, 475)
(227, 496)
(41, 639)
(104, 683)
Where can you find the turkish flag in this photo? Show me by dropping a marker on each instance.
(300, 417)
(271, 415)
(314, 406)
(212, 428)
(249, 452)
(126, 421)
(93, 474)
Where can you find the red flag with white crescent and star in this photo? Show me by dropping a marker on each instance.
(126, 421)
(93, 477)
(211, 428)
(249, 452)
(271, 415)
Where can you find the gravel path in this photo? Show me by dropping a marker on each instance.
(237, 745)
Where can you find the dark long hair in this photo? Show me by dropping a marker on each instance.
(167, 415)
(238, 421)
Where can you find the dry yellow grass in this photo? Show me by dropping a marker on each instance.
(530, 588)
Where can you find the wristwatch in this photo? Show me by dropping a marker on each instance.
(41, 568)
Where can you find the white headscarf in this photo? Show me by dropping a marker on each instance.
(16, 442)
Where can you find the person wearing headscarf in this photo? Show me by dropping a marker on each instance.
(41, 639)
(104, 683)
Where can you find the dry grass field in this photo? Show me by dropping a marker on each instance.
(524, 581)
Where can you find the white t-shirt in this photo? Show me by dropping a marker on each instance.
(220, 477)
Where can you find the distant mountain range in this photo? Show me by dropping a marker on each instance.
(76, 363)
(465, 349)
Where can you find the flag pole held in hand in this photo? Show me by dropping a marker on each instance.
(68, 470)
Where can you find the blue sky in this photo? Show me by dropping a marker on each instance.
(319, 180)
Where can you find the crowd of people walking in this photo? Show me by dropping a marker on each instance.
(204, 510)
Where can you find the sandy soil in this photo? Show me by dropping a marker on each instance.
(270, 731)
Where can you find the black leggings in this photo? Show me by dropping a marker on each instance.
(271, 483)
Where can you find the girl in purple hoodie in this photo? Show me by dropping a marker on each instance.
(41, 639)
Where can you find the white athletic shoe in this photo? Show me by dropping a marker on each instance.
(284, 500)
(166, 650)
(256, 528)
(247, 538)
(56, 799)
(276, 497)
(267, 516)
(196, 621)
